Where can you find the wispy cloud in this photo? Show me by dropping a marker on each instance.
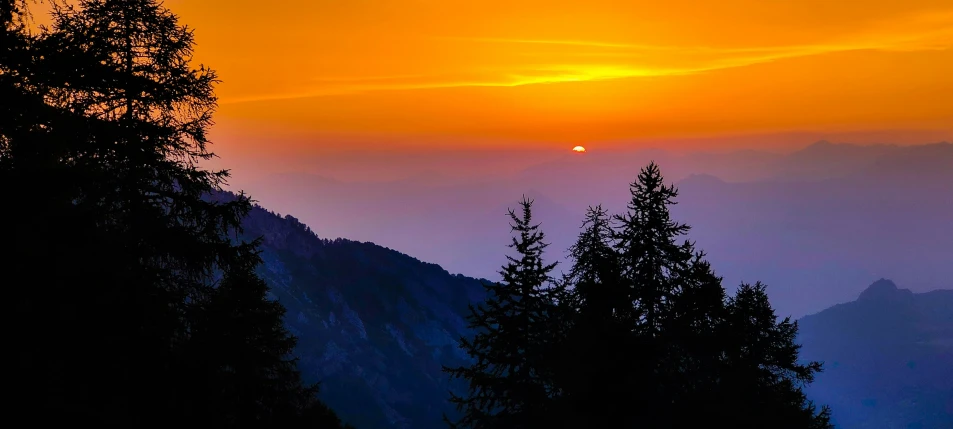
(598, 60)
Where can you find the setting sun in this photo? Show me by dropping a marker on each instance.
(579, 149)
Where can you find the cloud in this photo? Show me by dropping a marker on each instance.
(561, 61)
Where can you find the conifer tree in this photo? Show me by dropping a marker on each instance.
(676, 351)
(693, 352)
(509, 380)
(56, 246)
(241, 353)
(594, 273)
(652, 262)
(159, 316)
(123, 65)
(650, 257)
(593, 348)
(763, 377)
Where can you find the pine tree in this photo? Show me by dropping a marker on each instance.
(652, 263)
(594, 273)
(593, 347)
(762, 377)
(650, 257)
(123, 65)
(676, 351)
(57, 246)
(693, 353)
(509, 380)
(160, 317)
(241, 353)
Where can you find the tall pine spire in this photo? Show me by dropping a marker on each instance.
(650, 256)
(509, 384)
(594, 273)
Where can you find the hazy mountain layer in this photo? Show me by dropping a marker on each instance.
(816, 225)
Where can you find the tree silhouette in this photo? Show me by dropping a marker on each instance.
(642, 334)
(509, 381)
(593, 334)
(762, 374)
(155, 313)
(594, 270)
(241, 352)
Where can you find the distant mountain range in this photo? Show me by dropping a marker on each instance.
(375, 326)
(815, 223)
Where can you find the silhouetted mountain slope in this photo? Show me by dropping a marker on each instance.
(888, 358)
(374, 325)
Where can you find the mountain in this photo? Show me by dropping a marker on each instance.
(811, 240)
(826, 160)
(888, 358)
(809, 223)
(374, 325)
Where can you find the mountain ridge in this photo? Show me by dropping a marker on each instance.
(888, 358)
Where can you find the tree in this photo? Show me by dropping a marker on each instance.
(241, 355)
(157, 314)
(509, 380)
(762, 376)
(650, 258)
(594, 273)
(123, 65)
(57, 247)
(652, 266)
(593, 338)
(655, 342)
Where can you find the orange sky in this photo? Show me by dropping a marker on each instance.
(373, 74)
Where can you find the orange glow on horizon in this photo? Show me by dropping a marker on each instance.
(525, 73)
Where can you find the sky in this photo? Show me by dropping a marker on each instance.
(381, 75)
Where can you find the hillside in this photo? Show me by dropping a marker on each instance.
(374, 325)
(888, 358)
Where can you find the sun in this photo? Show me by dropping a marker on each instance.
(579, 149)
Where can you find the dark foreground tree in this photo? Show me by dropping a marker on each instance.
(646, 336)
(240, 353)
(593, 305)
(763, 376)
(509, 381)
(137, 305)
